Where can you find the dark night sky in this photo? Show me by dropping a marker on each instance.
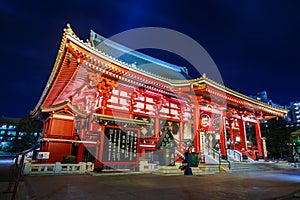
(254, 43)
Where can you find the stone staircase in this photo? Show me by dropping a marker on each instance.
(210, 160)
(258, 166)
(212, 166)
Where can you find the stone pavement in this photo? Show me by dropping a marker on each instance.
(279, 184)
(256, 185)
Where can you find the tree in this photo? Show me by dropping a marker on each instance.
(278, 135)
(31, 130)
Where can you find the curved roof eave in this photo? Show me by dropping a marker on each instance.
(227, 90)
(70, 35)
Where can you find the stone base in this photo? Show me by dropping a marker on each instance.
(168, 171)
(207, 169)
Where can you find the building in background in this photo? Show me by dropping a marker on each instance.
(9, 133)
(291, 127)
(263, 97)
(294, 114)
(17, 134)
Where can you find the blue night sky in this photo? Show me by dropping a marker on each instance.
(254, 43)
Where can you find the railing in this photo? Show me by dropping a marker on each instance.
(17, 171)
(181, 148)
(58, 168)
(214, 153)
(235, 154)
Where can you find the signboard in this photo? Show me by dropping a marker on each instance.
(205, 121)
(264, 147)
(120, 145)
(202, 142)
(43, 155)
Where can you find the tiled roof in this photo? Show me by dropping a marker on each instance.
(137, 59)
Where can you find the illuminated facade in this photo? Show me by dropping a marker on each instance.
(111, 106)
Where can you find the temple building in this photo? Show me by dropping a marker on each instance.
(110, 105)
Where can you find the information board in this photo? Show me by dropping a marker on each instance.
(120, 145)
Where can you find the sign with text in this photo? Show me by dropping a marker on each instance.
(120, 145)
(43, 155)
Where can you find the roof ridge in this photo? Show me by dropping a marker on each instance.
(126, 50)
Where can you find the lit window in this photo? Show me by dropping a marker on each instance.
(21, 133)
(149, 107)
(115, 92)
(150, 100)
(124, 102)
(174, 112)
(139, 105)
(123, 94)
(11, 133)
(114, 99)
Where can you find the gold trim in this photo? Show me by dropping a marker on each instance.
(122, 119)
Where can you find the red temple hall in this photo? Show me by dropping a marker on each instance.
(114, 107)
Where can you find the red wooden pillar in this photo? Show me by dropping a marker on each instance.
(131, 104)
(143, 153)
(181, 129)
(222, 137)
(80, 152)
(99, 146)
(157, 128)
(159, 104)
(259, 140)
(232, 135)
(242, 134)
(196, 128)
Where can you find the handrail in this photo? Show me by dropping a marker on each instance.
(17, 170)
(181, 148)
(220, 157)
(229, 164)
(236, 154)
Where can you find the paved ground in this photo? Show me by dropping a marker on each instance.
(251, 185)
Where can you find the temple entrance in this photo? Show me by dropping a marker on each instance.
(88, 154)
(166, 148)
(251, 140)
(212, 140)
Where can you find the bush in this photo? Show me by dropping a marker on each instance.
(69, 159)
(194, 159)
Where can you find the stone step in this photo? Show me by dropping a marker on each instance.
(210, 160)
(204, 169)
(257, 166)
(168, 171)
